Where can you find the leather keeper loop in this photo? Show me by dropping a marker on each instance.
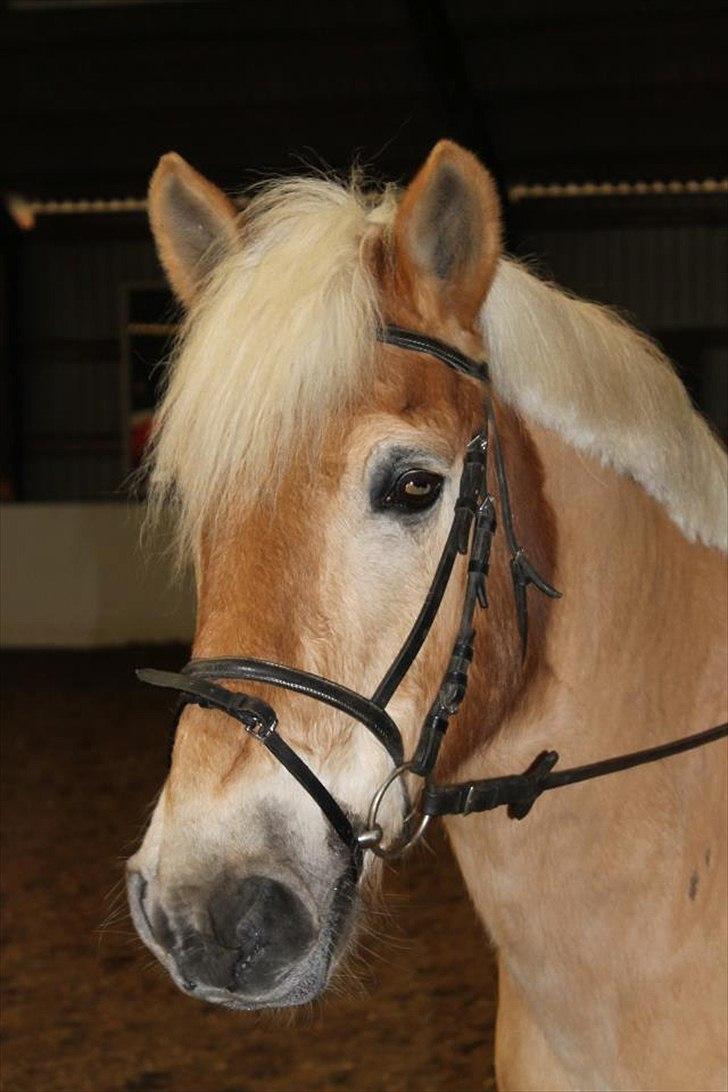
(457, 676)
(464, 648)
(479, 566)
(428, 747)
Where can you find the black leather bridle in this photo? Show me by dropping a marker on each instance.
(471, 533)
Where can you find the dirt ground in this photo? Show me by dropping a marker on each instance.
(84, 1005)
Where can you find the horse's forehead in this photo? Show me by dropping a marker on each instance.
(405, 394)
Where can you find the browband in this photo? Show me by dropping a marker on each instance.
(432, 346)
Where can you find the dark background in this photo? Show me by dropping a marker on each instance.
(561, 92)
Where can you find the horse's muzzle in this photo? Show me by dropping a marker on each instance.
(237, 947)
(246, 943)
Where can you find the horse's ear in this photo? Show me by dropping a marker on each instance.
(448, 235)
(193, 222)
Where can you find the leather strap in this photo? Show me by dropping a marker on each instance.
(472, 484)
(367, 712)
(259, 720)
(519, 792)
(455, 679)
(432, 346)
(423, 623)
(522, 571)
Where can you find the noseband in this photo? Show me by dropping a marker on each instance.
(471, 534)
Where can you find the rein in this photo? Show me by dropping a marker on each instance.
(471, 533)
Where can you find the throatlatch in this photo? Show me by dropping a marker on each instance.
(471, 533)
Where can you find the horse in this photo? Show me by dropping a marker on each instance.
(312, 468)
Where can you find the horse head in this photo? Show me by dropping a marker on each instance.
(314, 468)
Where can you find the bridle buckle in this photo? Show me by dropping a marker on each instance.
(256, 716)
(468, 801)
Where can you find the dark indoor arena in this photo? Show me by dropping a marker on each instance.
(364, 519)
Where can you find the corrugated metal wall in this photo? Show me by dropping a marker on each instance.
(71, 374)
(666, 278)
(671, 279)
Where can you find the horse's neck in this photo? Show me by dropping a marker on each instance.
(636, 647)
(634, 656)
(634, 651)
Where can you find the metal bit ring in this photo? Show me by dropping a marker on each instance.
(371, 838)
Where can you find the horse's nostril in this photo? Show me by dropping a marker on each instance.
(247, 957)
(258, 928)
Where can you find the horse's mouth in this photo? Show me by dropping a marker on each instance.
(286, 984)
(300, 985)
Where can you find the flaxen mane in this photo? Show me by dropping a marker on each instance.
(282, 334)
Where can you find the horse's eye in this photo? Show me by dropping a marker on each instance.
(413, 491)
